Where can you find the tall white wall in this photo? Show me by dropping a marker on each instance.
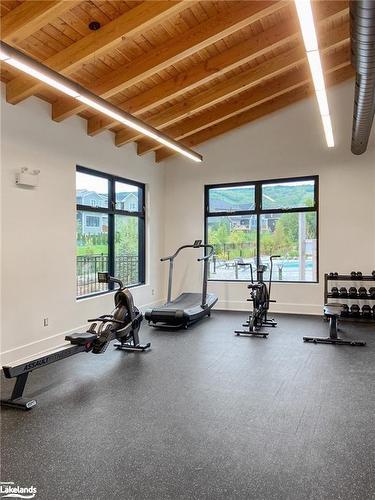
(288, 143)
(38, 225)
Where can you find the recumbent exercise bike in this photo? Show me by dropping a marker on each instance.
(123, 325)
(260, 297)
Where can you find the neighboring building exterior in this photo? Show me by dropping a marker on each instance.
(244, 222)
(96, 223)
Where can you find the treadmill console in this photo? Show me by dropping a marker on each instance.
(197, 243)
(103, 278)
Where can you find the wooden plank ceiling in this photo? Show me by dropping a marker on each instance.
(194, 69)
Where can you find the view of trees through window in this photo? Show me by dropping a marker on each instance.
(247, 224)
(110, 230)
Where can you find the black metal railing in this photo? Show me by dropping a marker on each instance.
(88, 267)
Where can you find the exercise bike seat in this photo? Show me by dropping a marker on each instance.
(331, 310)
(81, 338)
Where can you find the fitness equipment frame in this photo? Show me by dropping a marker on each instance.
(260, 297)
(359, 278)
(188, 307)
(123, 324)
(333, 313)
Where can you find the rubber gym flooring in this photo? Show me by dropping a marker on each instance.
(203, 415)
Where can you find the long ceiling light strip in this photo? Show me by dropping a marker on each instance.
(310, 40)
(24, 63)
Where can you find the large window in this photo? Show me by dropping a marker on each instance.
(248, 222)
(110, 230)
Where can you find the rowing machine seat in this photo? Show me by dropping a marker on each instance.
(81, 338)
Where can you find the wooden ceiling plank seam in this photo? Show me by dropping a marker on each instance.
(96, 42)
(247, 100)
(164, 56)
(29, 17)
(265, 109)
(210, 69)
(233, 85)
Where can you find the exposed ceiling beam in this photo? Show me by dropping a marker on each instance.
(217, 65)
(96, 43)
(238, 83)
(248, 99)
(176, 49)
(29, 17)
(267, 108)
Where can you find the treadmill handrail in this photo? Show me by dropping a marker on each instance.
(205, 258)
(171, 257)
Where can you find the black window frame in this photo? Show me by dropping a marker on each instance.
(258, 212)
(112, 211)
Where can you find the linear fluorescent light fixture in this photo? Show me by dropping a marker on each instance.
(24, 63)
(306, 20)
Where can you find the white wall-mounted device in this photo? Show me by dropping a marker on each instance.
(27, 178)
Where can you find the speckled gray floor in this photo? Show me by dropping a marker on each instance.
(204, 415)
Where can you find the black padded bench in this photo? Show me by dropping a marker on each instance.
(333, 313)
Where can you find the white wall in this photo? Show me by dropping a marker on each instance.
(38, 226)
(38, 233)
(288, 143)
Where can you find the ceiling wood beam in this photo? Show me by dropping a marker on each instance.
(238, 83)
(96, 43)
(264, 109)
(247, 100)
(29, 17)
(217, 65)
(176, 49)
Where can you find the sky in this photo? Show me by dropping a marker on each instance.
(100, 185)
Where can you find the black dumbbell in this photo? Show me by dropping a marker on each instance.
(359, 275)
(362, 292)
(334, 275)
(366, 311)
(353, 292)
(343, 292)
(372, 292)
(373, 274)
(345, 310)
(353, 274)
(335, 291)
(355, 310)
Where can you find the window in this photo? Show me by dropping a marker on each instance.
(248, 222)
(110, 230)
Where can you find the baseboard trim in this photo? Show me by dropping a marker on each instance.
(280, 307)
(39, 347)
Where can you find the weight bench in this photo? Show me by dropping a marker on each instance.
(333, 313)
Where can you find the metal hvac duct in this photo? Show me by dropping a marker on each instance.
(362, 28)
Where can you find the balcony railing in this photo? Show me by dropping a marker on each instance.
(88, 266)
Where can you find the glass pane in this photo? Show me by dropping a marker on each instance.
(234, 240)
(127, 249)
(297, 194)
(293, 236)
(230, 199)
(91, 190)
(92, 251)
(128, 197)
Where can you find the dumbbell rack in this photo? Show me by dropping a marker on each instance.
(348, 277)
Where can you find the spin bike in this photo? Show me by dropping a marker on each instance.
(123, 325)
(260, 297)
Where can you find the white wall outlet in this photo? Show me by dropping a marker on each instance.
(45, 322)
(153, 291)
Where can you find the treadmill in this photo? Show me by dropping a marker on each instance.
(188, 307)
